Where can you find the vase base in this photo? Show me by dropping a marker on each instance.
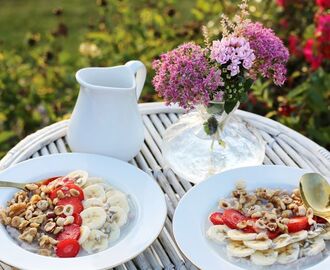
(190, 156)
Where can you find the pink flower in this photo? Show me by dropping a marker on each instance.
(323, 34)
(323, 3)
(310, 54)
(293, 45)
(280, 3)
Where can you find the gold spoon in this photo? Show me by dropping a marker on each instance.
(315, 193)
(7, 184)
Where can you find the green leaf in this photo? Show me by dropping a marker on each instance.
(247, 84)
(229, 106)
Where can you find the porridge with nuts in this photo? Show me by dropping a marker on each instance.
(267, 227)
(64, 215)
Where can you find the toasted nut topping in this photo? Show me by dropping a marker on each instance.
(28, 235)
(16, 209)
(309, 213)
(38, 219)
(256, 215)
(42, 205)
(60, 221)
(44, 189)
(46, 241)
(34, 225)
(16, 221)
(35, 198)
(31, 187)
(60, 194)
(74, 192)
(242, 224)
(4, 218)
(68, 210)
(272, 226)
(224, 204)
(57, 230)
(285, 220)
(23, 225)
(260, 224)
(44, 252)
(68, 220)
(287, 200)
(55, 201)
(301, 210)
(287, 213)
(49, 226)
(58, 210)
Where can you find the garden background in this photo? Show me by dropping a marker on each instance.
(44, 42)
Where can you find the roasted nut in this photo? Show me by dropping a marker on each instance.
(269, 206)
(68, 220)
(49, 226)
(44, 188)
(16, 221)
(224, 204)
(242, 199)
(240, 184)
(301, 210)
(43, 195)
(242, 224)
(250, 200)
(60, 221)
(55, 201)
(37, 191)
(34, 225)
(254, 209)
(46, 241)
(57, 230)
(17, 209)
(4, 219)
(282, 227)
(42, 205)
(285, 220)
(31, 187)
(35, 198)
(28, 214)
(287, 213)
(68, 210)
(260, 224)
(28, 235)
(38, 219)
(309, 213)
(37, 212)
(23, 225)
(44, 252)
(286, 199)
(272, 226)
(256, 215)
(58, 210)
(60, 194)
(74, 192)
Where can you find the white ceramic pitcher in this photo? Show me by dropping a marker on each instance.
(106, 119)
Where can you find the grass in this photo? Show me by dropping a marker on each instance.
(19, 17)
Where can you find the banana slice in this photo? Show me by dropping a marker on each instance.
(93, 217)
(238, 249)
(114, 232)
(258, 244)
(96, 241)
(298, 236)
(241, 236)
(217, 233)
(326, 234)
(92, 202)
(84, 233)
(266, 257)
(315, 233)
(118, 199)
(281, 241)
(313, 246)
(95, 191)
(93, 180)
(118, 215)
(111, 191)
(288, 254)
(79, 177)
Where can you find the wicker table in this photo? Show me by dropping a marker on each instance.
(284, 147)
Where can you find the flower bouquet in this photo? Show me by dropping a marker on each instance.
(214, 79)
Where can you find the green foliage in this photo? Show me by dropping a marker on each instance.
(37, 84)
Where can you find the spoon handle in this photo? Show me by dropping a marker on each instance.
(7, 184)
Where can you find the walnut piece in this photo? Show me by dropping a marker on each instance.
(28, 235)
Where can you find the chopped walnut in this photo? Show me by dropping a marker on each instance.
(16, 209)
(28, 235)
(46, 241)
(4, 219)
(38, 219)
(45, 252)
(16, 221)
(31, 187)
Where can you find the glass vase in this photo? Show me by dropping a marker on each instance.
(208, 140)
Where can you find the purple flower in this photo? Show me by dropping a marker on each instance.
(271, 54)
(233, 51)
(184, 76)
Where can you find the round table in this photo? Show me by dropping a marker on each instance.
(284, 147)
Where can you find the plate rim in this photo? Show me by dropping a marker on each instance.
(161, 213)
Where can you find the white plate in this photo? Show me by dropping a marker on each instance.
(146, 196)
(190, 220)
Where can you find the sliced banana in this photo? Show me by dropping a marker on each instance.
(298, 236)
(94, 191)
(238, 235)
(258, 244)
(118, 215)
(288, 254)
(118, 199)
(93, 217)
(111, 191)
(281, 241)
(84, 233)
(92, 202)
(114, 232)
(313, 246)
(266, 257)
(96, 241)
(93, 180)
(315, 233)
(326, 234)
(79, 177)
(238, 249)
(217, 233)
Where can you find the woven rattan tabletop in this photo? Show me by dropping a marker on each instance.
(284, 147)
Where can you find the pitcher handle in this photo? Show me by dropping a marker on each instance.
(140, 72)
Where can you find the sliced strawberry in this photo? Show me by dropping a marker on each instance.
(297, 224)
(232, 217)
(77, 219)
(70, 232)
(67, 248)
(320, 220)
(272, 235)
(75, 202)
(216, 218)
(48, 180)
(66, 191)
(64, 181)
